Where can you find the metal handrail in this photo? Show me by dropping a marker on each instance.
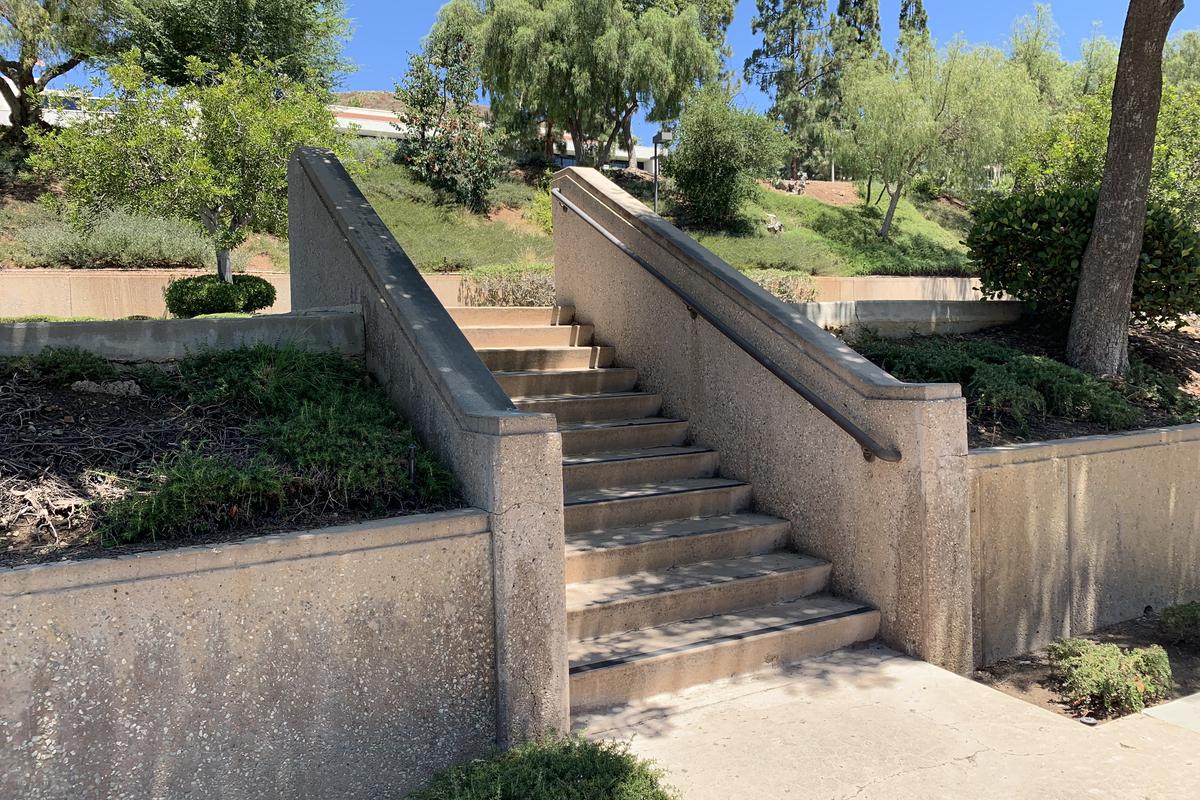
(871, 449)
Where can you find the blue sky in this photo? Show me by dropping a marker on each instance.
(385, 30)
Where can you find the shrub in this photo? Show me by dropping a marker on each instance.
(1119, 681)
(541, 212)
(566, 768)
(63, 366)
(1030, 246)
(115, 240)
(790, 287)
(193, 494)
(208, 294)
(1182, 623)
(510, 285)
(719, 154)
(1004, 383)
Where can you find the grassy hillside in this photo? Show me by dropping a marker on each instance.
(838, 240)
(443, 237)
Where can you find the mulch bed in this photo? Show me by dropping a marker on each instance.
(1030, 677)
(1174, 352)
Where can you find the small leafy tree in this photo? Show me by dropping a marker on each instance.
(214, 152)
(446, 143)
(719, 154)
(953, 113)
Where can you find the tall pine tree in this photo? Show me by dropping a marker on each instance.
(913, 18)
(859, 22)
(790, 65)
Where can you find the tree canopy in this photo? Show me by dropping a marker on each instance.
(303, 38)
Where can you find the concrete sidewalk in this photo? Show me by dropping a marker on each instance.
(872, 723)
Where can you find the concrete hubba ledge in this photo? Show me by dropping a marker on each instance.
(897, 534)
(507, 462)
(897, 319)
(1073, 535)
(105, 293)
(329, 330)
(337, 663)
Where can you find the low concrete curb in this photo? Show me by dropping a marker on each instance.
(338, 330)
(893, 319)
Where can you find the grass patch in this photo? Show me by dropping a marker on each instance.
(443, 237)
(45, 318)
(1108, 678)
(820, 239)
(62, 366)
(567, 768)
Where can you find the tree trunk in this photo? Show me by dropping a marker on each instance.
(632, 160)
(26, 111)
(577, 141)
(1099, 338)
(886, 231)
(870, 187)
(549, 144)
(224, 266)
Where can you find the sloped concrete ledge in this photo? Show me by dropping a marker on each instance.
(507, 462)
(333, 330)
(1069, 536)
(897, 534)
(338, 663)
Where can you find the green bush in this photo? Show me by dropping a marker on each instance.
(116, 240)
(1003, 383)
(541, 212)
(554, 769)
(63, 366)
(208, 294)
(510, 285)
(719, 154)
(1182, 623)
(1106, 676)
(1030, 245)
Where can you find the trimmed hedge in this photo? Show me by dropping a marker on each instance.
(1031, 244)
(208, 294)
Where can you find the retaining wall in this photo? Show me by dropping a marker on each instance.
(1073, 535)
(105, 293)
(901, 318)
(333, 664)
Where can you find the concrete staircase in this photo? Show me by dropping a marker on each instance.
(672, 579)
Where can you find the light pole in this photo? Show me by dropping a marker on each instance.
(663, 137)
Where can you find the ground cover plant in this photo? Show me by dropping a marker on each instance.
(205, 295)
(1181, 624)
(561, 768)
(1108, 679)
(95, 456)
(1020, 392)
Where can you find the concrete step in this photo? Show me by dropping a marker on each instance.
(529, 336)
(575, 381)
(648, 465)
(621, 434)
(594, 407)
(663, 545)
(626, 666)
(647, 599)
(508, 359)
(620, 506)
(489, 316)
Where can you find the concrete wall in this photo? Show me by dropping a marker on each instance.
(1073, 535)
(339, 331)
(832, 289)
(901, 318)
(507, 462)
(897, 534)
(340, 663)
(104, 293)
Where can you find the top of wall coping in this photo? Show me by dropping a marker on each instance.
(1030, 452)
(817, 344)
(464, 381)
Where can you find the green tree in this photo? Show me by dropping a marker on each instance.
(913, 18)
(790, 65)
(446, 143)
(1070, 152)
(41, 40)
(1034, 44)
(1181, 62)
(587, 66)
(1097, 67)
(954, 114)
(719, 154)
(854, 34)
(302, 37)
(214, 152)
